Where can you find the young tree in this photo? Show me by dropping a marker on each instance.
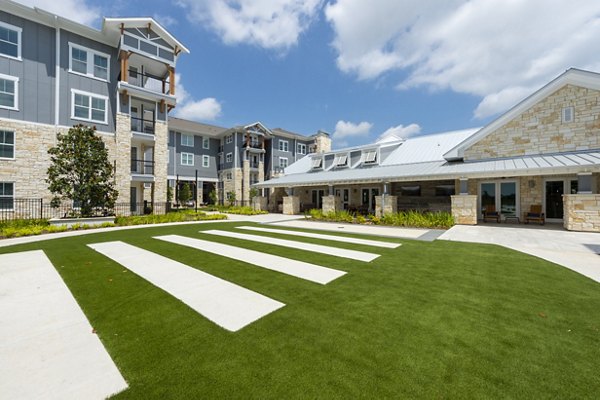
(185, 194)
(253, 193)
(231, 198)
(80, 171)
(213, 196)
(169, 194)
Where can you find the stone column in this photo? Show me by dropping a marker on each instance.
(245, 181)
(386, 205)
(161, 138)
(331, 203)
(291, 205)
(123, 157)
(581, 212)
(259, 203)
(261, 171)
(464, 209)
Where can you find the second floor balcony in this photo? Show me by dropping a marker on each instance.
(141, 125)
(142, 167)
(149, 82)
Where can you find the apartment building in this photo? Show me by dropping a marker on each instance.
(56, 73)
(209, 157)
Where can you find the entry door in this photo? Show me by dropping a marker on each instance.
(344, 194)
(368, 198)
(502, 196)
(317, 198)
(133, 199)
(554, 190)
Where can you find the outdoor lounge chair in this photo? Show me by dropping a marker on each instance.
(490, 213)
(535, 214)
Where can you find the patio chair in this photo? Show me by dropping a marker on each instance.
(491, 214)
(535, 214)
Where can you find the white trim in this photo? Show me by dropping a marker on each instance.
(15, 79)
(576, 77)
(19, 31)
(498, 196)
(89, 63)
(207, 159)
(14, 145)
(229, 157)
(207, 141)
(191, 178)
(187, 155)
(299, 146)
(90, 95)
(287, 145)
(187, 135)
(287, 162)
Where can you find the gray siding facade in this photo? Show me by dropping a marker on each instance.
(176, 148)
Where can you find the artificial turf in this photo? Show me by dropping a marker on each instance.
(426, 320)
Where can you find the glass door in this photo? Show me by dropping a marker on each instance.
(317, 198)
(133, 199)
(488, 196)
(508, 199)
(499, 196)
(344, 194)
(554, 201)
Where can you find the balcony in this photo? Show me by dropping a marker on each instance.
(142, 167)
(254, 146)
(254, 164)
(149, 82)
(141, 125)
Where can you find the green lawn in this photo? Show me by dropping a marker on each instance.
(425, 320)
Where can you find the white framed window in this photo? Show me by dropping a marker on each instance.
(10, 41)
(89, 107)
(370, 156)
(316, 162)
(187, 140)
(205, 143)
(284, 145)
(7, 144)
(301, 148)
(91, 63)
(567, 114)
(229, 176)
(187, 159)
(228, 139)
(283, 162)
(7, 196)
(9, 92)
(205, 161)
(229, 157)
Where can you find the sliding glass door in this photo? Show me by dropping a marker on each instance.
(499, 196)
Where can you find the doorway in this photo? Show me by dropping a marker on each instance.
(317, 198)
(368, 198)
(133, 199)
(344, 195)
(553, 201)
(501, 196)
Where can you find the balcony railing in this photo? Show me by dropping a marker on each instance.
(142, 125)
(147, 81)
(142, 167)
(253, 164)
(254, 145)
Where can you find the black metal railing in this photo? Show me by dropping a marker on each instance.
(254, 164)
(220, 148)
(254, 145)
(147, 81)
(142, 125)
(142, 167)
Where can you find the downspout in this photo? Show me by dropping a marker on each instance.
(57, 76)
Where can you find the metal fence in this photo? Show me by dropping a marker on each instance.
(42, 209)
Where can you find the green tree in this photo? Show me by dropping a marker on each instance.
(231, 198)
(253, 193)
(213, 196)
(169, 194)
(80, 171)
(185, 194)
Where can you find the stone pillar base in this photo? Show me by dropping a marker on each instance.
(464, 209)
(259, 203)
(581, 212)
(291, 205)
(390, 205)
(331, 204)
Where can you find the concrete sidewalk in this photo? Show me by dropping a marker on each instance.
(578, 251)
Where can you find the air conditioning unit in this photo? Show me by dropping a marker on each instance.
(147, 185)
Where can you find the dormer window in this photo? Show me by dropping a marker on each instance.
(340, 161)
(370, 156)
(317, 162)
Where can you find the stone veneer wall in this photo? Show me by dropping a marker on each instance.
(322, 144)
(234, 184)
(540, 129)
(245, 181)
(122, 155)
(464, 209)
(331, 204)
(390, 205)
(161, 137)
(291, 205)
(582, 212)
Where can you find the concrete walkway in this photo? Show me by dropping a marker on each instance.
(48, 349)
(315, 248)
(577, 251)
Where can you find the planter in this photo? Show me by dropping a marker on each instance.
(92, 221)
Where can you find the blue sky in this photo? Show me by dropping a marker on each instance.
(358, 68)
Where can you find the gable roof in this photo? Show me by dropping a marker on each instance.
(572, 76)
(110, 25)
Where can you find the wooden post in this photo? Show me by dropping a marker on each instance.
(124, 56)
(172, 81)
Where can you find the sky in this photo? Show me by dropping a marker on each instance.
(359, 69)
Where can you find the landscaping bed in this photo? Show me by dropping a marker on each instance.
(409, 219)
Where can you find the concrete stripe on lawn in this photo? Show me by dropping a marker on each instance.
(334, 238)
(224, 303)
(317, 248)
(298, 269)
(47, 346)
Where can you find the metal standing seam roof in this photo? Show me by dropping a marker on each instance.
(436, 170)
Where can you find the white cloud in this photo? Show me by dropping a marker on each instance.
(165, 20)
(207, 109)
(76, 10)
(400, 131)
(346, 129)
(271, 24)
(497, 50)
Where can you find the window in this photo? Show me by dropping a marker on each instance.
(187, 159)
(283, 162)
(340, 161)
(229, 176)
(88, 62)
(567, 114)
(445, 190)
(301, 148)
(410, 190)
(88, 107)
(283, 145)
(187, 140)
(7, 144)
(317, 162)
(205, 161)
(10, 41)
(229, 157)
(9, 92)
(370, 156)
(228, 139)
(205, 143)
(7, 195)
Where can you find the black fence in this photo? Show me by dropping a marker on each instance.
(42, 209)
